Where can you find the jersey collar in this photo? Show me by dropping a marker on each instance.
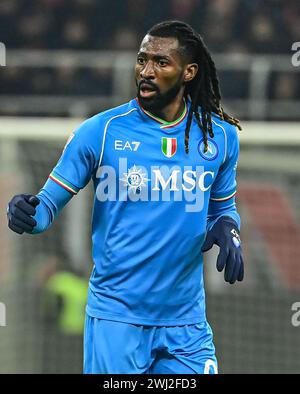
(163, 123)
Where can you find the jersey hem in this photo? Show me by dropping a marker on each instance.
(144, 321)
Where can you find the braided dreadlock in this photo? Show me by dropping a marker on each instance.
(204, 89)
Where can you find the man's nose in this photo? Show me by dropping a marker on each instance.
(148, 71)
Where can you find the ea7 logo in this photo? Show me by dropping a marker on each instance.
(121, 145)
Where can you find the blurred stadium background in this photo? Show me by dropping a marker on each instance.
(68, 59)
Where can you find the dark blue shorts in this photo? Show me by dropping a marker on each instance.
(112, 347)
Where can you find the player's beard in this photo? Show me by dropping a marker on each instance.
(159, 100)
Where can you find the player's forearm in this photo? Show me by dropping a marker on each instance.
(52, 200)
(218, 209)
(43, 217)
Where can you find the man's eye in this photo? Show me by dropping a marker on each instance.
(162, 63)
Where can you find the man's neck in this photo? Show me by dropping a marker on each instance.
(172, 111)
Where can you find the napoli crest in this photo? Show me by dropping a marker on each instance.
(212, 150)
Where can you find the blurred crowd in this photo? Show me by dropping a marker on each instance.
(255, 26)
(228, 26)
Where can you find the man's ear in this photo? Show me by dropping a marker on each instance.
(190, 72)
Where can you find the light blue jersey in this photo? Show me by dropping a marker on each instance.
(153, 204)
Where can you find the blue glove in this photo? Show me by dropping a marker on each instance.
(225, 234)
(20, 210)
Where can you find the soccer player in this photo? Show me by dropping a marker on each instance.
(163, 167)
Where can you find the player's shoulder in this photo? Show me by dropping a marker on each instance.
(220, 125)
(122, 110)
(96, 123)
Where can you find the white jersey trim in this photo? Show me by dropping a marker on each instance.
(105, 130)
(225, 136)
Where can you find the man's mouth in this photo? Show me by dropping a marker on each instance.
(147, 90)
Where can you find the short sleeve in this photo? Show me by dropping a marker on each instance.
(80, 157)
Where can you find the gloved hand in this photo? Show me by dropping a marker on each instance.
(20, 210)
(225, 234)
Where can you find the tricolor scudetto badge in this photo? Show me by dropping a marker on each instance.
(169, 146)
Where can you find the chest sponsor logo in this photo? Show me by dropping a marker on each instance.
(212, 150)
(135, 179)
(127, 145)
(169, 146)
(156, 183)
